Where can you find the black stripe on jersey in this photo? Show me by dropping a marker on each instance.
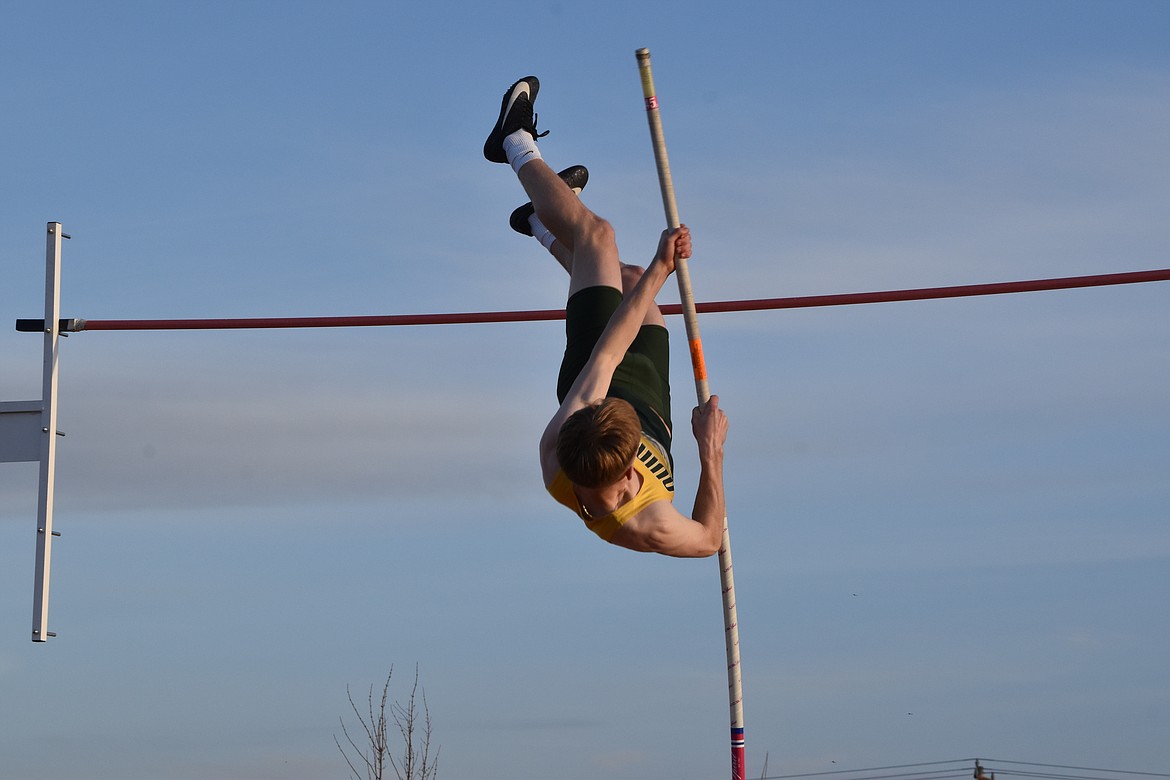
(656, 466)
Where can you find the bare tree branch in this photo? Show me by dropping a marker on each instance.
(415, 762)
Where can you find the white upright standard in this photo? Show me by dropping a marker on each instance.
(28, 432)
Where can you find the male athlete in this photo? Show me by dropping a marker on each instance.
(606, 452)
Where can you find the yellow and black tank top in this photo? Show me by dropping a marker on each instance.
(652, 462)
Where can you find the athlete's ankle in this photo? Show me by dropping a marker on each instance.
(520, 149)
(541, 233)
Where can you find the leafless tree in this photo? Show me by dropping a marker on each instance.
(368, 761)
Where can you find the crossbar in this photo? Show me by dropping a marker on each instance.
(758, 304)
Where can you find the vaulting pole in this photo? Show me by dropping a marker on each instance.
(730, 624)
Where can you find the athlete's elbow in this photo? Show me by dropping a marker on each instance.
(712, 547)
(713, 539)
(706, 546)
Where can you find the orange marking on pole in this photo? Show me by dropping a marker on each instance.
(697, 361)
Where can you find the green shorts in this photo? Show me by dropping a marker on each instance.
(643, 376)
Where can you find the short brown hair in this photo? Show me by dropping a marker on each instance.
(598, 443)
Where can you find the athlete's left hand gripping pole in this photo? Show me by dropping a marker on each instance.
(730, 620)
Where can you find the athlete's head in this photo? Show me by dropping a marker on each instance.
(598, 443)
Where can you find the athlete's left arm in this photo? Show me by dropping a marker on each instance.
(662, 529)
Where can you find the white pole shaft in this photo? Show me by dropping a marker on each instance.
(730, 619)
(666, 184)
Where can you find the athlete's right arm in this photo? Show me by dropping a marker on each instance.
(593, 382)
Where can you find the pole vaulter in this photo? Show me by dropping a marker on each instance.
(698, 364)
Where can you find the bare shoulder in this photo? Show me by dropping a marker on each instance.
(660, 528)
(549, 467)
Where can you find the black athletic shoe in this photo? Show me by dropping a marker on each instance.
(576, 177)
(515, 114)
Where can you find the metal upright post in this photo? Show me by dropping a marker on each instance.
(48, 444)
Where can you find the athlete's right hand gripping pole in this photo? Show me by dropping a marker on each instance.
(730, 625)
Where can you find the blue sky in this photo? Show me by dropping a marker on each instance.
(955, 509)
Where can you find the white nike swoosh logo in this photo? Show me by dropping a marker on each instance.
(517, 91)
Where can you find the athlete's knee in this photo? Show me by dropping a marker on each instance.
(595, 232)
(630, 276)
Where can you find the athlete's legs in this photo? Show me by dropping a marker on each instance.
(584, 243)
(588, 250)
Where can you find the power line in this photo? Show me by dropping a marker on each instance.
(981, 769)
(1075, 768)
(876, 769)
(868, 770)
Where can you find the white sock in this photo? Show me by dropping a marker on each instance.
(520, 148)
(540, 232)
